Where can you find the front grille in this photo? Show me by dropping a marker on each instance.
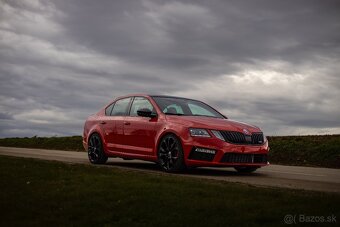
(240, 138)
(257, 138)
(194, 155)
(244, 158)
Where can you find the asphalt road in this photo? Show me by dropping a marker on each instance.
(307, 178)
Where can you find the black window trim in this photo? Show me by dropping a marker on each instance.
(108, 106)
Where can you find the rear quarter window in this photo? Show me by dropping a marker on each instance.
(121, 107)
(109, 109)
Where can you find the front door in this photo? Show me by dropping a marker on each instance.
(140, 132)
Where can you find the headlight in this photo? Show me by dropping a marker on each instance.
(199, 132)
(218, 134)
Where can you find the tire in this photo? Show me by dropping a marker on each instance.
(170, 154)
(246, 169)
(95, 150)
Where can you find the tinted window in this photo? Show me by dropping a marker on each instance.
(173, 108)
(198, 110)
(182, 106)
(109, 109)
(140, 103)
(121, 107)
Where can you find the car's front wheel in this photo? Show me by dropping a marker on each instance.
(246, 169)
(170, 154)
(95, 150)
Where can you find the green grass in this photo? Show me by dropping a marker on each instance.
(44, 193)
(306, 150)
(287, 150)
(71, 143)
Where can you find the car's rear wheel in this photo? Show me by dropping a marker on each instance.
(246, 169)
(170, 154)
(95, 150)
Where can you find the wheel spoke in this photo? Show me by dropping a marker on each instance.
(174, 159)
(167, 143)
(161, 150)
(96, 141)
(171, 163)
(173, 146)
(163, 145)
(163, 155)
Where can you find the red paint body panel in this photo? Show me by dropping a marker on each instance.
(138, 137)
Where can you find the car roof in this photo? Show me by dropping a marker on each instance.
(169, 96)
(153, 95)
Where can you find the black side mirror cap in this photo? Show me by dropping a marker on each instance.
(145, 112)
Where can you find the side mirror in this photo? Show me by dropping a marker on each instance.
(145, 112)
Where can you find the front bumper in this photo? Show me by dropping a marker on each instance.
(225, 154)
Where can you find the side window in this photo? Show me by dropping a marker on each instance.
(197, 110)
(140, 103)
(121, 107)
(109, 109)
(173, 108)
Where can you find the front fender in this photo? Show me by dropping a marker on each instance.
(180, 131)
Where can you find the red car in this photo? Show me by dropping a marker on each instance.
(174, 132)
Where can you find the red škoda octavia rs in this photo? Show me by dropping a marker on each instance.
(174, 132)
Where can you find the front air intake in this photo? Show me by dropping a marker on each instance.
(244, 158)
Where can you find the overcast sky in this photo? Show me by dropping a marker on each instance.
(275, 64)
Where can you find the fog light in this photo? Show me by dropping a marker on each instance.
(204, 150)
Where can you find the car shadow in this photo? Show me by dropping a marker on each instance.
(220, 171)
(136, 165)
(199, 171)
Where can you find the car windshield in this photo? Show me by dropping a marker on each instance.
(187, 107)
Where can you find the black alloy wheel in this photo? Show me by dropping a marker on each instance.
(95, 150)
(170, 154)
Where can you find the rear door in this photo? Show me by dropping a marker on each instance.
(108, 126)
(140, 132)
(115, 125)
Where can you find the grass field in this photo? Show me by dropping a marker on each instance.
(306, 150)
(43, 193)
(70, 143)
(288, 150)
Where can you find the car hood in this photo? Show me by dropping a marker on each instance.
(212, 123)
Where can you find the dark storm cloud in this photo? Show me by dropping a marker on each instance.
(5, 116)
(270, 63)
(173, 33)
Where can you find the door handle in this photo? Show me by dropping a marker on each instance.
(127, 123)
(103, 122)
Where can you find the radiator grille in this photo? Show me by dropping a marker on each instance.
(240, 138)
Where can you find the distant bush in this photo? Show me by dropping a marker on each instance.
(287, 150)
(71, 143)
(306, 150)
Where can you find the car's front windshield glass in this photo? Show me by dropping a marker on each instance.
(187, 107)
